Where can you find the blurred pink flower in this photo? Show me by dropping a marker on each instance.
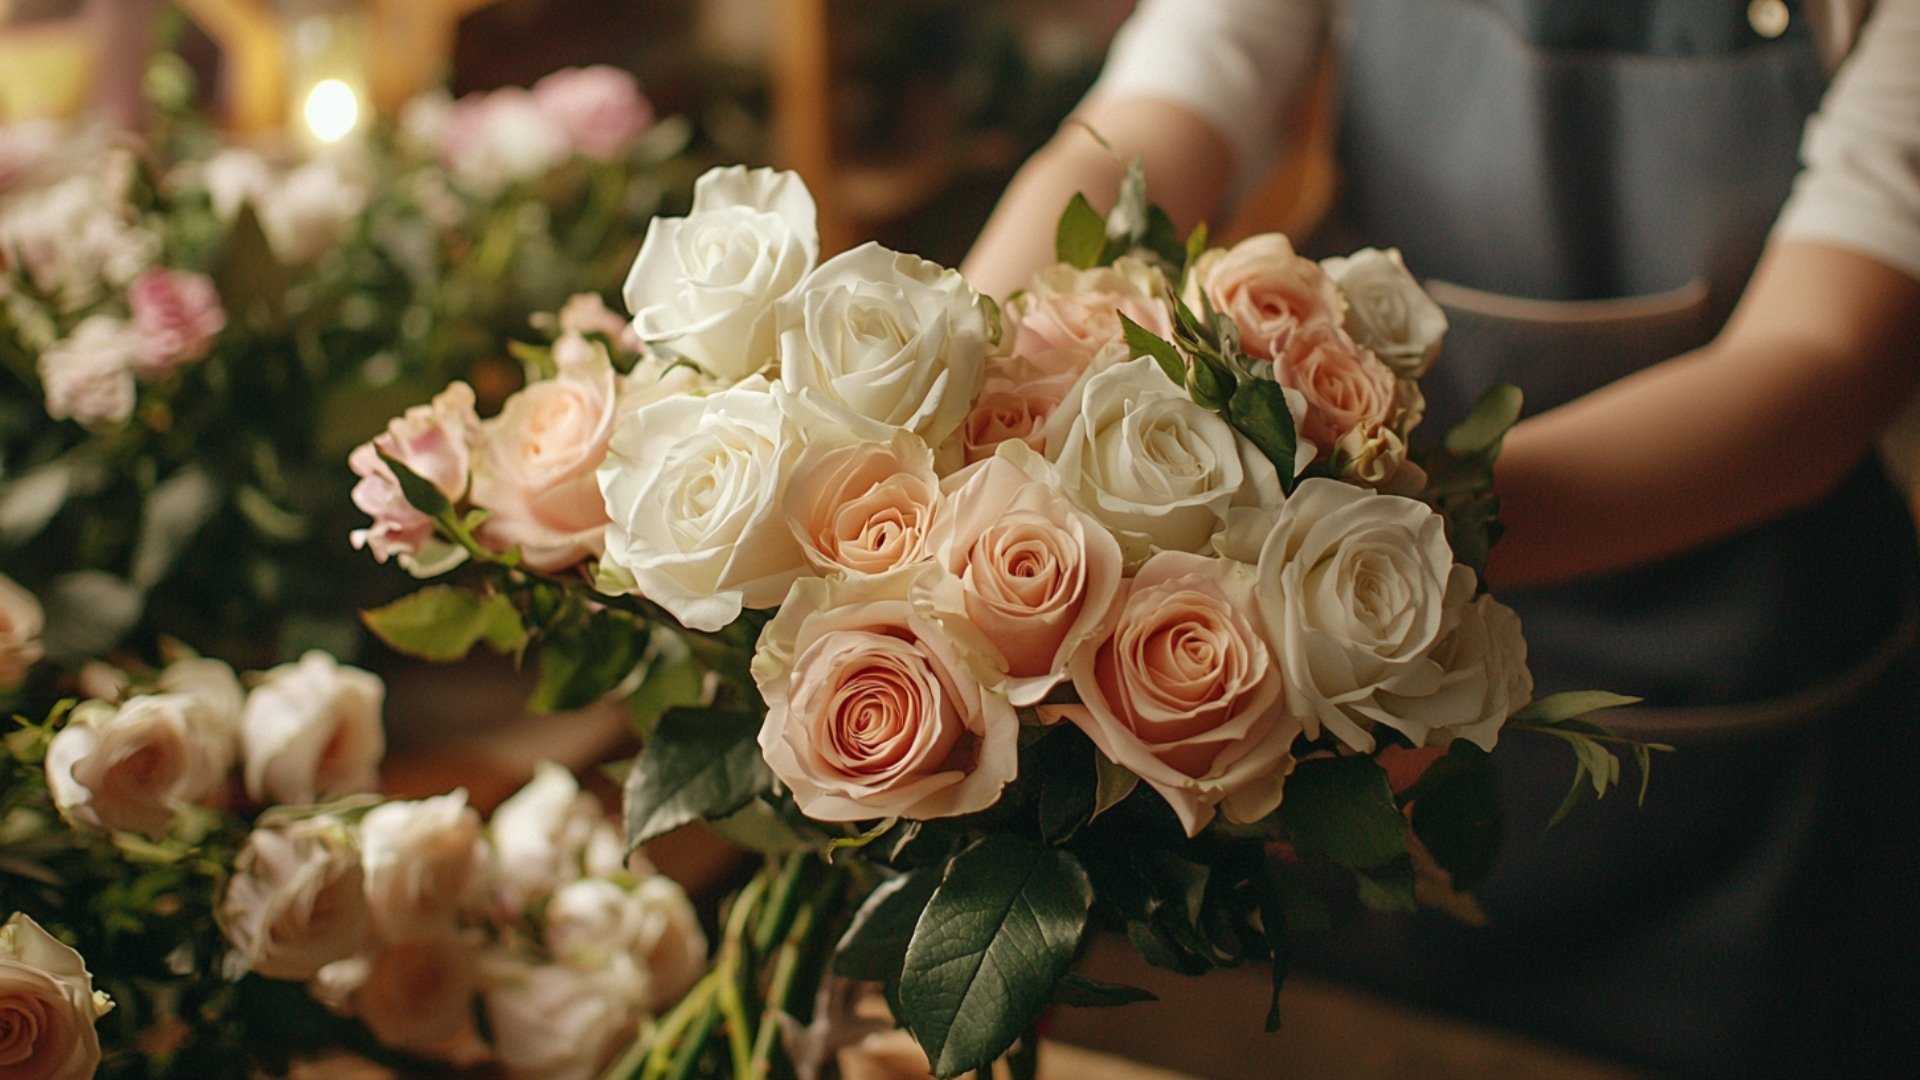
(176, 314)
(600, 108)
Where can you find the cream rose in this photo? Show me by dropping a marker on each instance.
(129, 767)
(295, 902)
(695, 487)
(557, 1022)
(1036, 575)
(21, 622)
(704, 286)
(875, 340)
(1159, 471)
(48, 1006)
(653, 924)
(1355, 591)
(876, 708)
(424, 862)
(1387, 310)
(542, 835)
(863, 508)
(1267, 290)
(1483, 680)
(1346, 388)
(1185, 695)
(213, 684)
(1079, 311)
(418, 996)
(535, 470)
(312, 730)
(88, 376)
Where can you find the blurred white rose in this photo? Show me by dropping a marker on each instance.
(558, 1022)
(48, 1006)
(1160, 472)
(424, 862)
(704, 286)
(295, 902)
(21, 621)
(653, 924)
(88, 376)
(78, 239)
(695, 488)
(418, 996)
(312, 730)
(1387, 310)
(542, 835)
(129, 767)
(876, 340)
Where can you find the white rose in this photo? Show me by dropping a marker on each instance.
(88, 375)
(79, 235)
(213, 684)
(557, 1022)
(1483, 680)
(1387, 310)
(704, 286)
(1160, 472)
(653, 924)
(695, 488)
(423, 862)
(418, 996)
(542, 835)
(21, 622)
(1355, 591)
(312, 730)
(307, 212)
(295, 902)
(128, 767)
(875, 340)
(48, 1006)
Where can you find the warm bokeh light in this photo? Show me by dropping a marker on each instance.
(332, 110)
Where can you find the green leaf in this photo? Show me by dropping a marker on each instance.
(175, 511)
(875, 945)
(1113, 783)
(1208, 385)
(700, 763)
(1069, 783)
(249, 278)
(269, 520)
(1388, 888)
(1081, 234)
(586, 658)
(1556, 708)
(1342, 808)
(759, 827)
(1274, 923)
(996, 937)
(1196, 246)
(442, 623)
(1457, 814)
(419, 491)
(1144, 342)
(1259, 411)
(1487, 424)
(1163, 240)
(672, 679)
(862, 838)
(1080, 992)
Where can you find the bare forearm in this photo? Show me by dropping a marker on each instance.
(1767, 418)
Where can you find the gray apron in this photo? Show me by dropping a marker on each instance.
(1587, 184)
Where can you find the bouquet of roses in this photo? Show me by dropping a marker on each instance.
(196, 881)
(193, 333)
(1098, 612)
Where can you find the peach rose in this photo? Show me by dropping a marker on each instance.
(128, 767)
(1185, 695)
(536, 461)
(1267, 290)
(1036, 575)
(1018, 396)
(295, 902)
(1346, 387)
(863, 508)
(48, 1006)
(419, 997)
(1079, 311)
(312, 730)
(876, 709)
(21, 622)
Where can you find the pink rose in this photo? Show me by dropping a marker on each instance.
(1185, 695)
(1018, 396)
(497, 139)
(21, 622)
(587, 313)
(535, 470)
(1036, 575)
(1346, 388)
(600, 108)
(1079, 310)
(876, 709)
(863, 508)
(1267, 290)
(177, 314)
(88, 376)
(434, 441)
